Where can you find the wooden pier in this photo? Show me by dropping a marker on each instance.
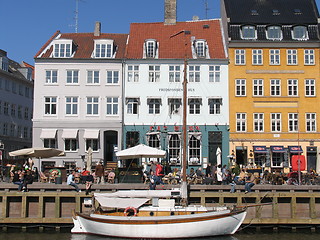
(51, 204)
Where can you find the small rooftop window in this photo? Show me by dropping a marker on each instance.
(297, 11)
(275, 12)
(254, 12)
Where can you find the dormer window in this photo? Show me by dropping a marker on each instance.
(275, 12)
(4, 63)
(103, 48)
(297, 11)
(254, 12)
(200, 48)
(151, 48)
(274, 33)
(62, 49)
(248, 32)
(300, 33)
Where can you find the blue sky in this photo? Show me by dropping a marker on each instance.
(27, 25)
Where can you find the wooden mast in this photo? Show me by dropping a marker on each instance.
(184, 187)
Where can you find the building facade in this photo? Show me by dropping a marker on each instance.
(153, 89)
(274, 81)
(16, 105)
(78, 95)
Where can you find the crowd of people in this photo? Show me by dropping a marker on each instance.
(223, 175)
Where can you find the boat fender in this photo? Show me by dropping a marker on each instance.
(126, 211)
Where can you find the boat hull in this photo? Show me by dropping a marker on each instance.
(188, 226)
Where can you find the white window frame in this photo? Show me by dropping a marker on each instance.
(154, 73)
(302, 35)
(194, 106)
(214, 73)
(154, 106)
(309, 57)
(93, 143)
(275, 121)
(62, 49)
(293, 122)
(274, 57)
(258, 87)
(133, 73)
(215, 105)
(310, 87)
(112, 106)
(258, 122)
(72, 76)
(72, 105)
(112, 77)
(240, 57)
(293, 87)
(257, 57)
(73, 144)
(311, 122)
(132, 106)
(151, 48)
(50, 142)
(194, 149)
(275, 87)
(248, 32)
(200, 48)
(92, 106)
(194, 73)
(51, 76)
(240, 87)
(274, 29)
(175, 73)
(50, 105)
(292, 57)
(241, 122)
(93, 77)
(103, 48)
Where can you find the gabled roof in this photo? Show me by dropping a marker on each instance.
(272, 11)
(84, 43)
(174, 47)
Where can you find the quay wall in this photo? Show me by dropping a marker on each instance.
(51, 204)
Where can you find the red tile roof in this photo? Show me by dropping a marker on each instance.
(85, 44)
(174, 48)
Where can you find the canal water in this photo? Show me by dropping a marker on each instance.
(247, 235)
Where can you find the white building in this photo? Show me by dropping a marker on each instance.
(154, 75)
(78, 95)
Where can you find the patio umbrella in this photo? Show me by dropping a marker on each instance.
(89, 159)
(218, 153)
(37, 152)
(141, 151)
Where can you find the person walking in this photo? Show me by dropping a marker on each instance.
(99, 172)
(70, 181)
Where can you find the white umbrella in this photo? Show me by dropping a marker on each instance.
(141, 151)
(37, 152)
(218, 154)
(89, 159)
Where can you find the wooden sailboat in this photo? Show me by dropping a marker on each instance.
(126, 214)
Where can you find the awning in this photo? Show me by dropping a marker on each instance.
(48, 133)
(91, 134)
(260, 149)
(277, 149)
(69, 133)
(295, 149)
(121, 202)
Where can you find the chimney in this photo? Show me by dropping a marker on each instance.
(170, 12)
(97, 29)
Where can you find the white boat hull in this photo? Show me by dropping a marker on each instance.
(188, 226)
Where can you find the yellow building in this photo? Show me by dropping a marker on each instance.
(274, 86)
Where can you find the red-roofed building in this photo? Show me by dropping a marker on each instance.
(154, 73)
(78, 95)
